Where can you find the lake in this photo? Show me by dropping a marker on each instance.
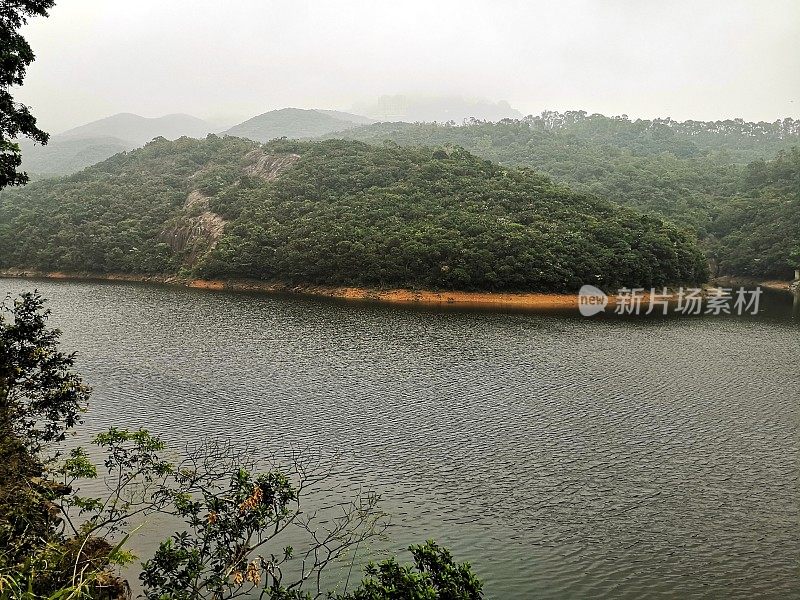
(564, 457)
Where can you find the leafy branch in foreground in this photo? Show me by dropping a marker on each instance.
(236, 520)
(40, 396)
(40, 399)
(434, 574)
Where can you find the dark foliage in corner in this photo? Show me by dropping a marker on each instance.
(15, 55)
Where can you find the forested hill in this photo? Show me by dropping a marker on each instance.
(756, 232)
(741, 141)
(695, 174)
(295, 123)
(336, 212)
(735, 140)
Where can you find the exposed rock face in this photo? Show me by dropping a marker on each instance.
(198, 230)
(195, 235)
(268, 166)
(195, 198)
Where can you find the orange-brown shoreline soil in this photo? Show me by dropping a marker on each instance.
(395, 296)
(524, 300)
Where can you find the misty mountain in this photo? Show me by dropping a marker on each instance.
(85, 145)
(295, 123)
(346, 116)
(442, 109)
(93, 142)
(62, 156)
(140, 130)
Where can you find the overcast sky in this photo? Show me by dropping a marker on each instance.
(232, 59)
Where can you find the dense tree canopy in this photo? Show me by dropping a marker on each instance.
(757, 232)
(109, 217)
(337, 212)
(434, 575)
(714, 179)
(695, 174)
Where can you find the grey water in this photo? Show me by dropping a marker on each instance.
(564, 457)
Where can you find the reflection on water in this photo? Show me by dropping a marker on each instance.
(564, 457)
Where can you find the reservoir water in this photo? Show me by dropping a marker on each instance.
(564, 457)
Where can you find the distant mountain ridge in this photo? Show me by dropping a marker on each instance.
(140, 130)
(296, 123)
(65, 155)
(88, 144)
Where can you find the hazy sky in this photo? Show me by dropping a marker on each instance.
(235, 58)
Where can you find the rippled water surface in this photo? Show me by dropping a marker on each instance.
(564, 457)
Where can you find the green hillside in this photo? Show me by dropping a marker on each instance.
(295, 123)
(693, 173)
(757, 232)
(336, 212)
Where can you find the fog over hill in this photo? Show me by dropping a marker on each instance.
(346, 116)
(90, 143)
(65, 155)
(296, 123)
(442, 109)
(140, 130)
(93, 142)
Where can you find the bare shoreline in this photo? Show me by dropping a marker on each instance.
(522, 300)
(392, 296)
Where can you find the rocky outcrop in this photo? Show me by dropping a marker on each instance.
(268, 166)
(195, 233)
